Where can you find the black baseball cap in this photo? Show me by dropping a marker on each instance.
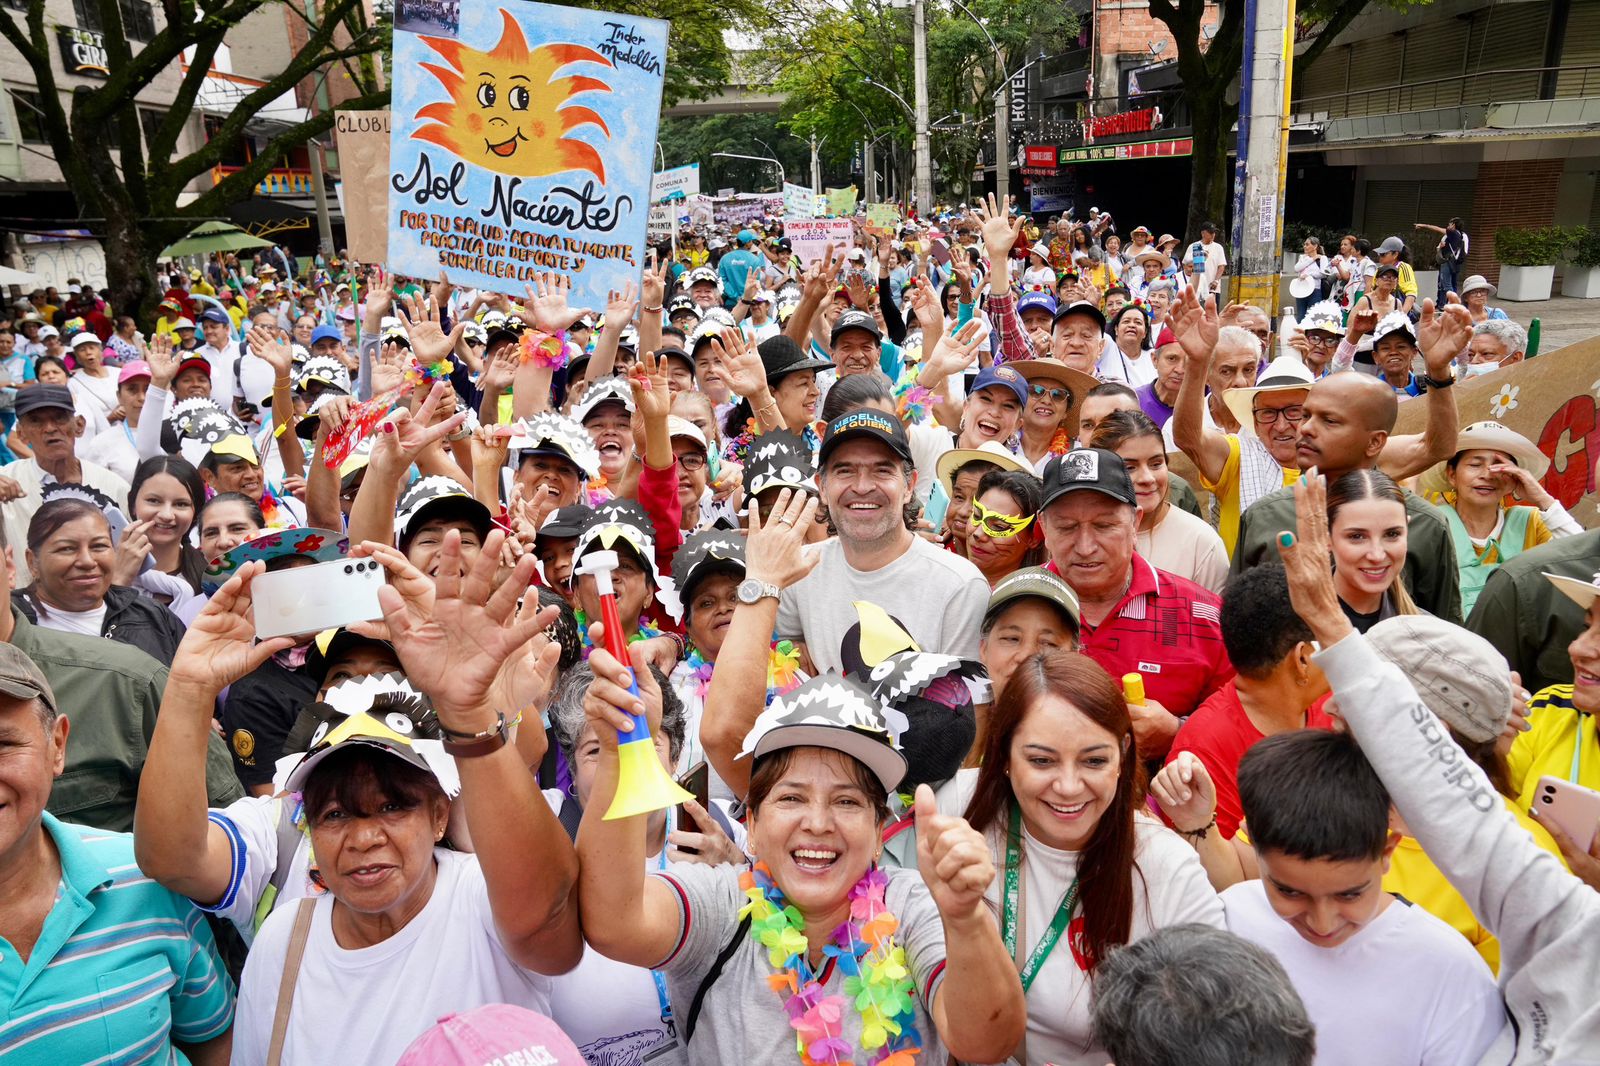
(1095, 469)
(878, 426)
(566, 521)
(39, 397)
(1080, 307)
(857, 320)
(780, 355)
(674, 352)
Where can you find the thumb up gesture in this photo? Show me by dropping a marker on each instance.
(953, 858)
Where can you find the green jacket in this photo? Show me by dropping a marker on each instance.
(1430, 574)
(110, 692)
(1527, 618)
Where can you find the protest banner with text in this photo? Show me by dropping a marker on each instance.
(362, 138)
(810, 237)
(798, 201)
(522, 143)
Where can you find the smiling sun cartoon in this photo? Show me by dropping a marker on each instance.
(508, 111)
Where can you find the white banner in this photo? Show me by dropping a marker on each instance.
(676, 183)
(798, 201)
(810, 237)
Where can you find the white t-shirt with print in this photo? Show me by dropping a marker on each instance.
(366, 1005)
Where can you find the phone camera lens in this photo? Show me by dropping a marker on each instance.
(348, 569)
(1548, 798)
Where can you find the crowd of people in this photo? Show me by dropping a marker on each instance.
(1007, 742)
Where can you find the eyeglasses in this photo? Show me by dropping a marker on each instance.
(1265, 416)
(996, 524)
(1058, 395)
(1318, 338)
(692, 461)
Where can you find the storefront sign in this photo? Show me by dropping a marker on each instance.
(1040, 157)
(83, 51)
(1142, 150)
(1142, 121)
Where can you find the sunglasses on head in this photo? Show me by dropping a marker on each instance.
(997, 524)
(1058, 395)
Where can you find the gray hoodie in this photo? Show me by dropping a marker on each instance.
(1547, 920)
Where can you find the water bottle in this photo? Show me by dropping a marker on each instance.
(1287, 328)
(1533, 339)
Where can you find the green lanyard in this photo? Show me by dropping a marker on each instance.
(1008, 914)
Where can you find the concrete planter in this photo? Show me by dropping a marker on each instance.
(1582, 282)
(1524, 284)
(1427, 285)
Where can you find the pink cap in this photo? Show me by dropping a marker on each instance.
(495, 1032)
(136, 369)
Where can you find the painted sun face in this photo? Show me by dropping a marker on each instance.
(508, 112)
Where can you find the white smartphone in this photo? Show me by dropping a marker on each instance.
(1574, 808)
(938, 505)
(309, 599)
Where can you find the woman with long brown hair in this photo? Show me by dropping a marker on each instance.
(1082, 869)
(1367, 529)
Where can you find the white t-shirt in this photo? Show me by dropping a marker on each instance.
(1169, 888)
(1187, 546)
(1407, 990)
(100, 393)
(1216, 259)
(115, 449)
(86, 622)
(937, 595)
(223, 367)
(366, 1005)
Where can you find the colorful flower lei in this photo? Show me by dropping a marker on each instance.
(420, 374)
(548, 350)
(597, 491)
(783, 670)
(877, 978)
(646, 632)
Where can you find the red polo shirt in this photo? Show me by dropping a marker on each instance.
(1167, 629)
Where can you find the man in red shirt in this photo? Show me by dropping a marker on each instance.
(1277, 688)
(1135, 618)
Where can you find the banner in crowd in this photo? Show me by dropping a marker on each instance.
(522, 143)
(882, 219)
(1551, 400)
(798, 201)
(675, 184)
(841, 201)
(362, 138)
(740, 208)
(810, 237)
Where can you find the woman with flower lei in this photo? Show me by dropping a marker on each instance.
(813, 954)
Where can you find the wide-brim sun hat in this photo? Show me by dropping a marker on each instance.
(1491, 436)
(1286, 373)
(988, 452)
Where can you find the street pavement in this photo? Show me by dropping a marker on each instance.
(1563, 320)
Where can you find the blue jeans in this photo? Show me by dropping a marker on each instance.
(1448, 279)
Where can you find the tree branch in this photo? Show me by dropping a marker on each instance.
(1342, 17)
(161, 146)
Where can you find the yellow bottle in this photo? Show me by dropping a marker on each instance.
(1133, 688)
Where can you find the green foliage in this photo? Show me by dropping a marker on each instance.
(1295, 234)
(696, 139)
(698, 59)
(839, 67)
(1531, 246)
(1585, 247)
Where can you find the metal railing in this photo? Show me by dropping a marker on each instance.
(1479, 87)
(281, 182)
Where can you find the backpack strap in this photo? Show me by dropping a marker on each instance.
(711, 978)
(291, 972)
(571, 814)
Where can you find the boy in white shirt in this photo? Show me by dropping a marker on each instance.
(1386, 983)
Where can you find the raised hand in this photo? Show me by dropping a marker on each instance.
(775, 551)
(999, 231)
(389, 369)
(739, 363)
(453, 649)
(272, 348)
(1185, 792)
(1360, 323)
(822, 276)
(402, 436)
(547, 303)
(380, 296)
(651, 393)
(163, 361)
(953, 859)
(607, 702)
(1443, 334)
(861, 298)
(1195, 327)
(442, 290)
(1306, 554)
(500, 371)
(489, 447)
(653, 285)
(925, 305)
(955, 351)
(220, 646)
(620, 306)
(429, 343)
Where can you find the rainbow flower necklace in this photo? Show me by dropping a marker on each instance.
(877, 978)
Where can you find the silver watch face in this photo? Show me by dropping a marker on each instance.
(749, 590)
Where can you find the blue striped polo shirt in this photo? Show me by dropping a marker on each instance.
(122, 967)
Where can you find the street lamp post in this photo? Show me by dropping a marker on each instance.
(755, 159)
(1002, 108)
(924, 167)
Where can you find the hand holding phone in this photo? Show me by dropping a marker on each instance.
(309, 599)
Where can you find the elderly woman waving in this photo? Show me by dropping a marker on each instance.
(409, 930)
(814, 953)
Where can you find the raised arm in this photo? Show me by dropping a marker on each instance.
(173, 840)
(1442, 336)
(322, 485)
(815, 286)
(1196, 330)
(273, 349)
(626, 915)
(452, 645)
(400, 439)
(619, 312)
(774, 555)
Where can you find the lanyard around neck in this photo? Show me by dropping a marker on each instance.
(1009, 909)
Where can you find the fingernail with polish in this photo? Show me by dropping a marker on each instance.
(1286, 539)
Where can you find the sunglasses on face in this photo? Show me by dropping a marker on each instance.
(996, 524)
(1058, 395)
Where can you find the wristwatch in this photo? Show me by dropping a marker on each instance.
(473, 745)
(753, 590)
